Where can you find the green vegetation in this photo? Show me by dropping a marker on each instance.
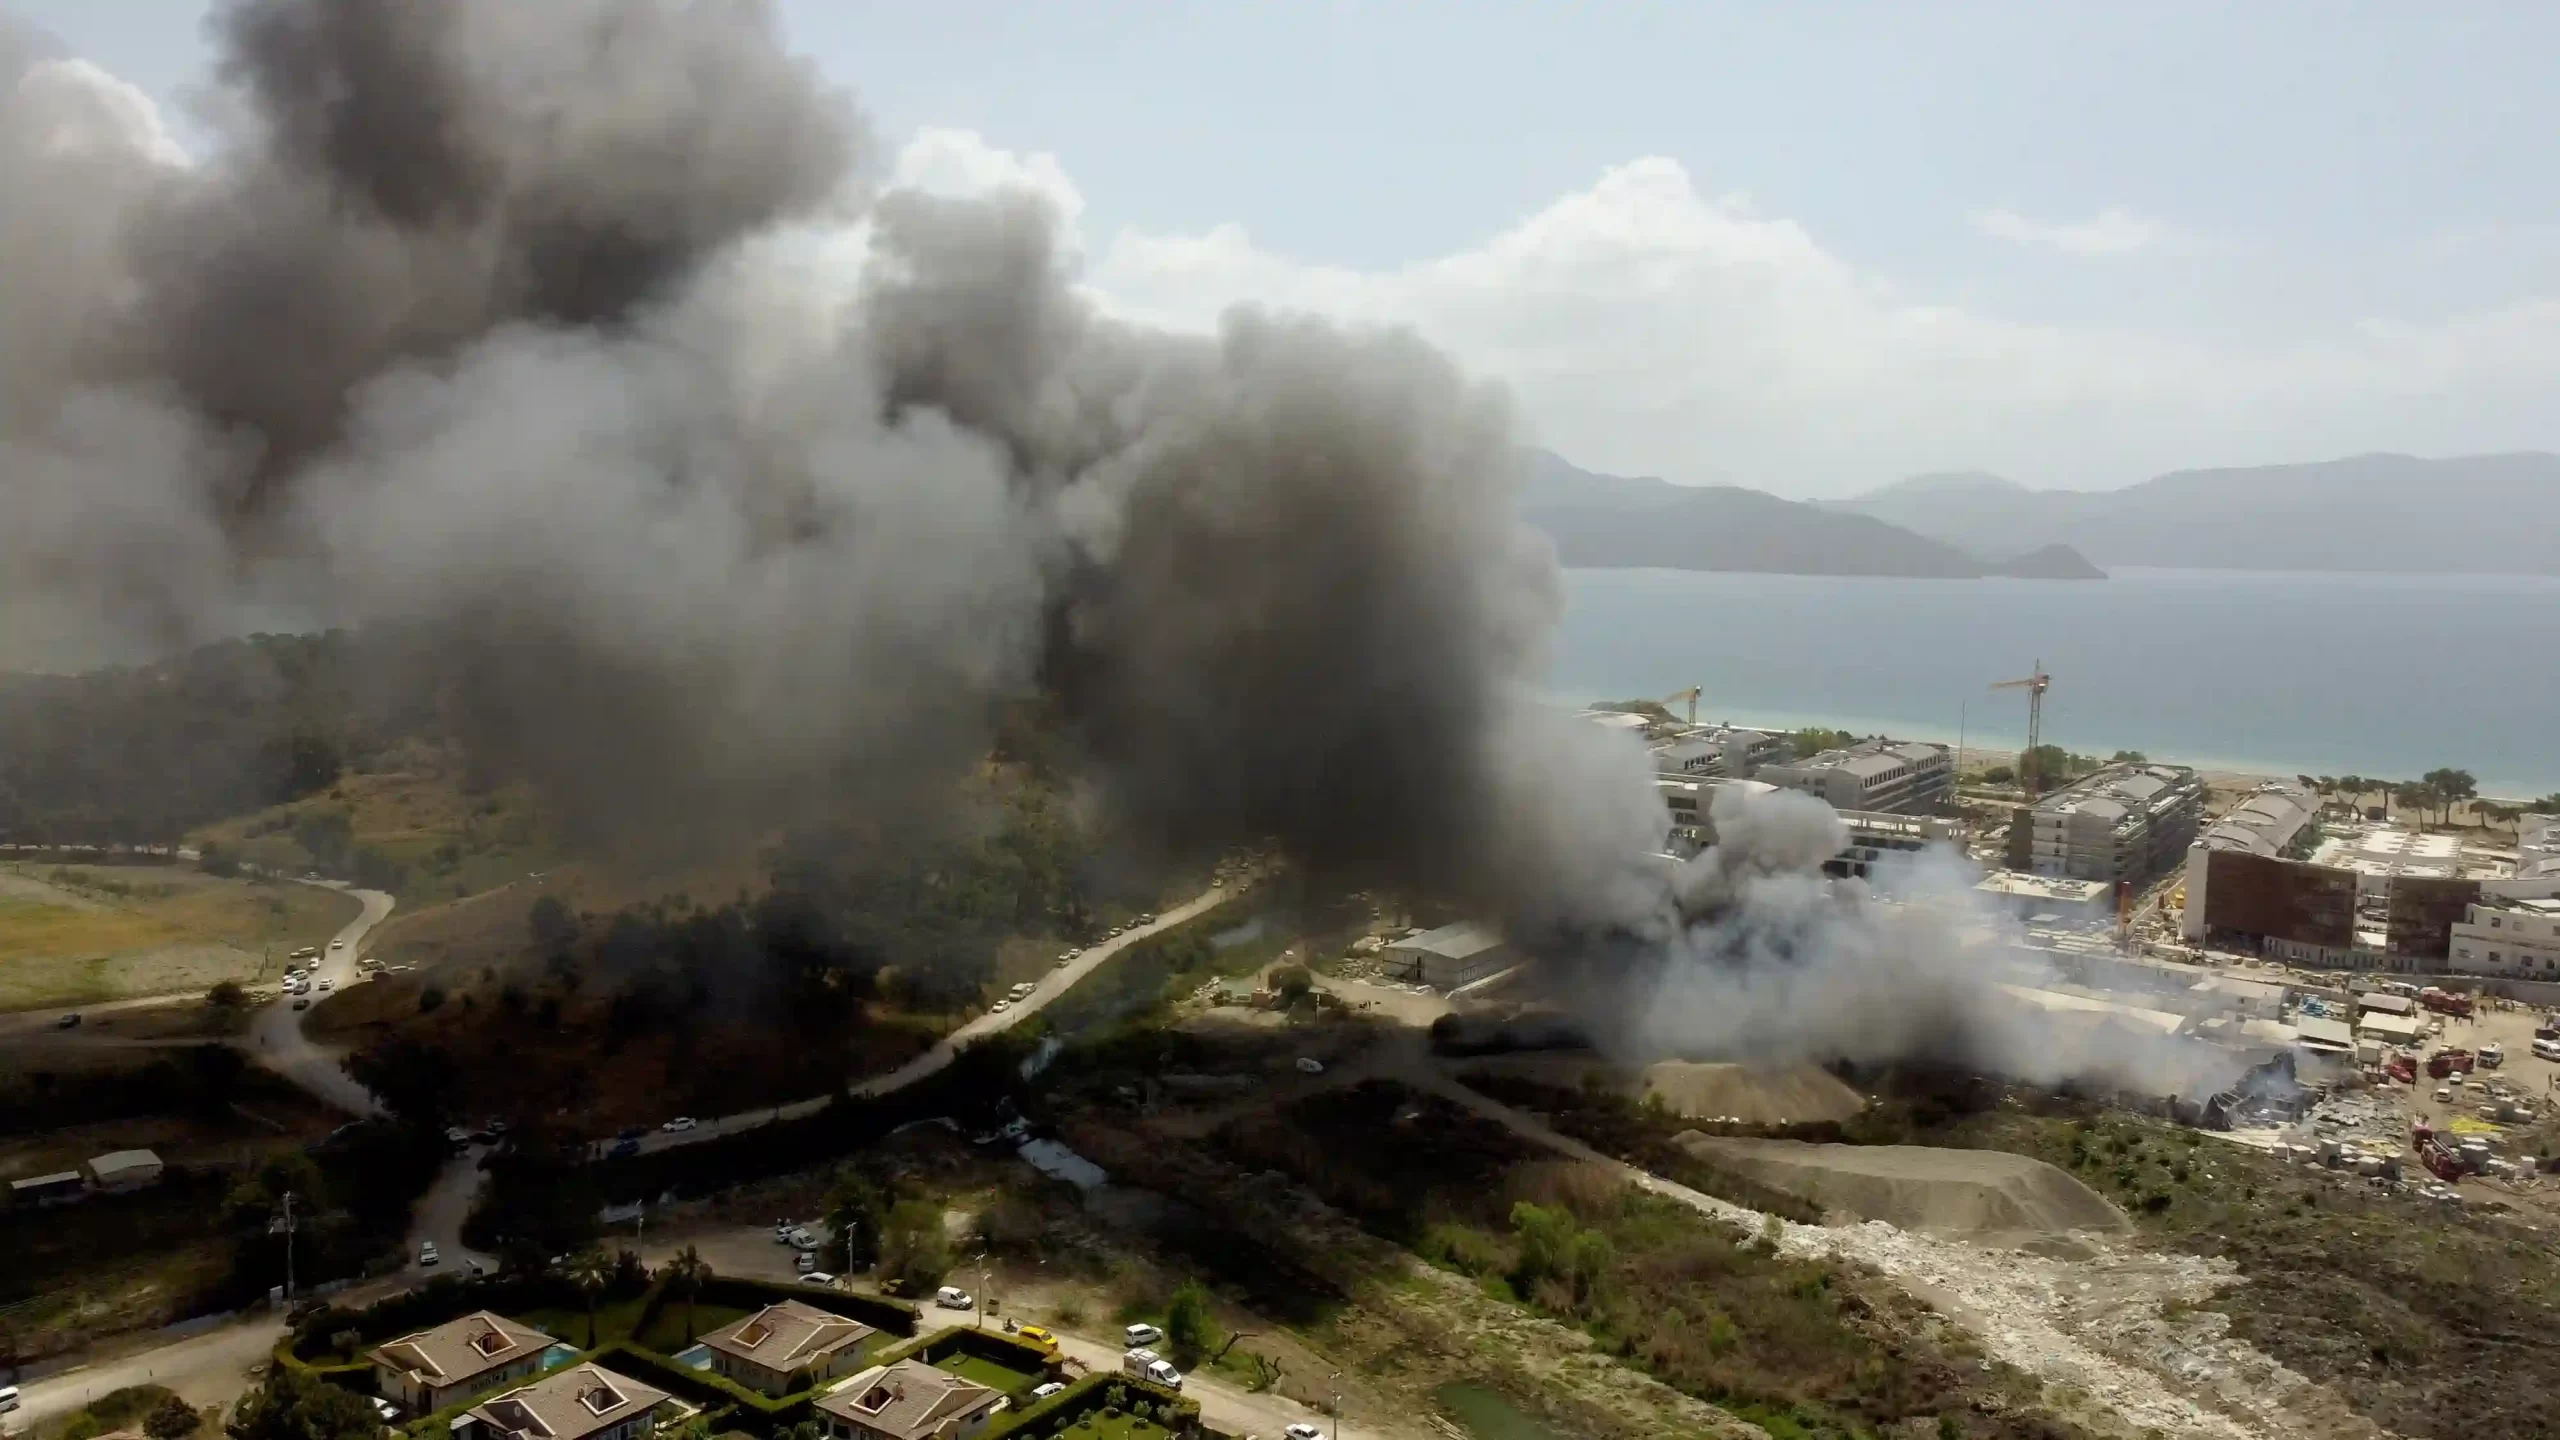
(915, 1252)
(155, 1409)
(1801, 1347)
(2391, 1300)
(1814, 739)
(296, 1405)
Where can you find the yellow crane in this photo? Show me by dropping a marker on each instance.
(2035, 684)
(1691, 695)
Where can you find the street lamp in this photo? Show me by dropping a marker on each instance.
(1335, 1379)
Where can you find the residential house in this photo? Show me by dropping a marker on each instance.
(584, 1402)
(907, 1401)
(763, 1351)
(465, 1356)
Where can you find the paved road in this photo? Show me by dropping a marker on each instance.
(275, 1037)
(440, 1214)
(203, 1368)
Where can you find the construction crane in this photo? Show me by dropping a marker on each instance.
(2035, 685)
(1691, 695)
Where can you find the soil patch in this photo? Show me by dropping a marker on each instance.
(1734, 1094)
(1971, 1193)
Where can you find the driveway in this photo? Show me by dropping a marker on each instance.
(275, 1037)
(1223, 1406)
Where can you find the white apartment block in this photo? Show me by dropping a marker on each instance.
(2517, 939)
(1880, 776)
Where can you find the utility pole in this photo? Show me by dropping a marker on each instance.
(1335, 1379)
(286, 1226)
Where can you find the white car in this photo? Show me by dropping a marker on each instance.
(427, 1253)
(1021, 989)
(337, 944)
(1043, 1392)
(1001, 1004)
(326, 982)
(1301, 1430)
(952, 1297)
(1310, 1064)
(819, 1278)
(384, 1408)
(1138, 1335)
(681, 1122)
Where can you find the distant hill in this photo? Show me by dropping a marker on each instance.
(1617, 522)
(2480, 513)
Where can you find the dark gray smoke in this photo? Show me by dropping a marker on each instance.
(509, 329)
(497, 322)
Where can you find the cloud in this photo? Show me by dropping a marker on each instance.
(2112, 231)
(1646, 325)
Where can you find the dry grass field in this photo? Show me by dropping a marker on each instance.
(80, 934)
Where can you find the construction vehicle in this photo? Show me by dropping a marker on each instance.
(2445, 1002)
(2035, 684)
(1690, 695)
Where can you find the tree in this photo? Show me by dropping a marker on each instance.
(2414, 795)
(854, 1208)
(1814, 739)
(1998, 775)
(226, 995)
(175, 1419)
(412, 1079)
(2451, 788)
(1546, 1244)
(687, 1271)
(1293, 982)
(2128, 757)
(1188, 1327)
(589, 1271)
(2547, 805)
(555, 929)
(296, 1405)
(914, 1251)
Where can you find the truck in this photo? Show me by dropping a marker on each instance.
(2445, 1002)
(1149, 1366)
(2437, 1156)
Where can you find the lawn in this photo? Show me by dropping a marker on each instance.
(987, 1372)
(1094, 1425)
(615, 1320)
(666, 1333)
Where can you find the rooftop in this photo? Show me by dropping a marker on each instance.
(2387, 850)
(116, 1162)
(460, 1348)
(2018, 884)
(2114, 792)
(580, 1400)
(1452, 942)
(787, 1335)
(908, 1399)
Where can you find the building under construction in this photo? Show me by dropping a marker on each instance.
(2125, 825)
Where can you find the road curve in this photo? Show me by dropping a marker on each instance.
(275, 1037)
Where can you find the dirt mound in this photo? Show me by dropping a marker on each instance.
(1972, 1193)
(1744, 1094)
(1751, 1094)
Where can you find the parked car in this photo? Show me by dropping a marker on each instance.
(1039, 1335)
(1301, 1430)
(457, 1137)
(952, 1297)
(801, 1239)
(819, 1278)
(8, 1398)
(327, 983)
(632, 1132)
(1147, 919)
(67, 1022)
(680, 1123)
(807, 1262)
(427, 1252)
(337, 944)
(1021, 989)
(301, 1002)
(1137, 1335)
(1043, 1392)
(623, 1150)
(1310, 1064)
(1001, 1004)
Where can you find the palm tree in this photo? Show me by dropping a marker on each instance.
(590, 1272)
(688, 1270)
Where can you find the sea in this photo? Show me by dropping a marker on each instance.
(2278, 673)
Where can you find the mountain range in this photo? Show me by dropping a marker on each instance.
(2479, 514)
(1616, 521)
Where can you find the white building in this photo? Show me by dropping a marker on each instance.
(2268, 822)
(2537, 873)
(1888, 776)
(2380, 853)
(2518, 939)
(1448, 957)
(2125, 823)
(123, 1170)
(1726, 752)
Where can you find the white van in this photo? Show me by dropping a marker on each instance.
(8, 1398)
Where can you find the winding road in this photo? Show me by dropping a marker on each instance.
(275, 1037)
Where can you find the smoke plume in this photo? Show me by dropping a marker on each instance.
(505, 327)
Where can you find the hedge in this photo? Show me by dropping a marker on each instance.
(890, 1317)
(1053, 1415)
(762, 1414)
(1009, 1351)
(442, 1420)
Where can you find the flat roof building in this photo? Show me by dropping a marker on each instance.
(123, 1170)
(1448, 957)
(2518, 939)
(1901, 777)
(2125, 824)
(2047, 894)
(2390, 1029)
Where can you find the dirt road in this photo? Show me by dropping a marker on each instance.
(440, 1214)
(275, 1037)
(203, 1369)
(1223, 1406)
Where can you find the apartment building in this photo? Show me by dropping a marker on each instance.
(2516, 939)
(2125, 824)
(1894, 777)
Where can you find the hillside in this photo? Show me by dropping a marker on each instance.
(2481, 513)
(1612, 521)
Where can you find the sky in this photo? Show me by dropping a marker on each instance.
(1811, 249)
